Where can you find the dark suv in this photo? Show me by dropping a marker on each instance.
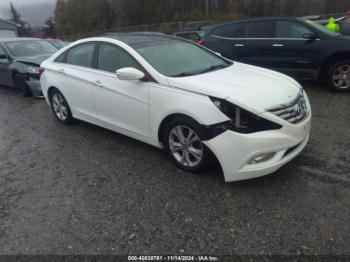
(302, 49)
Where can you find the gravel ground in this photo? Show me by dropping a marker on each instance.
(84, 190)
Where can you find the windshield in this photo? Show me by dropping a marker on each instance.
(58, 43)
(177, 58)
(323, 29)
(30, 48)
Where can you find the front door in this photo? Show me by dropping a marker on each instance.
(293, 53)
(120, 104)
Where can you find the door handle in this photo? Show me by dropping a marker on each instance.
(61, 71)
(98, 83)
(239, 45)
(278, 45)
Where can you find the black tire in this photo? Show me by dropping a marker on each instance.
(333, 71)
(63, 116)
(21, 86)
(207, 156)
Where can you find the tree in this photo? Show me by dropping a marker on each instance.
(24, 28)
(50, 28)
(82, 16)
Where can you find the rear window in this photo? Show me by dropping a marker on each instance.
(81, 55)
(229, 31)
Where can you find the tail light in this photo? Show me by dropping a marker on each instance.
(200, 42)
(40, 71)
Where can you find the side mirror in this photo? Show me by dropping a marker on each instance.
(129, 73)
(219, 54)
(310, 36)
(3, 57)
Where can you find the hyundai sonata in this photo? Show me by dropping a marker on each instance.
(174, 94)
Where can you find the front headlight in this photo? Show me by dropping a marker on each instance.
(241, 120)
(33, 70)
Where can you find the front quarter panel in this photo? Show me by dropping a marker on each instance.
(166, 101)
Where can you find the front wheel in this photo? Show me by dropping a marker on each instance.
(339, 76)
(183, 140)
(21, 86)
(60, 107)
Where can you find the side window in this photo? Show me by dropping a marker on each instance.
(230, 31)
(263, 29)
(289, 29)
(61, 58)
(112, 58)
(81, 55)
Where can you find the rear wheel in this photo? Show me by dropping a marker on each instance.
(60, 107)
(183, 140)
(21, 86)
(339, 76)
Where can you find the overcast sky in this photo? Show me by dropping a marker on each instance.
(33, 11)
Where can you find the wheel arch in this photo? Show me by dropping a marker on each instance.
(50, 90)
(167, 119)
(13, 73)
(335, 57)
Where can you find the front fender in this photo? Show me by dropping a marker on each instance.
(167, 101)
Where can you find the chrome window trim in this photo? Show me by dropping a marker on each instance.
(294, 39)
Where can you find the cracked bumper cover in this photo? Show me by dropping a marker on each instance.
(235, 150)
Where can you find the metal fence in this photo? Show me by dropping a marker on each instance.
(173, 27)
(167, 28)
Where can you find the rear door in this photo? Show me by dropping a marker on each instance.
(247, 42)
(255, 46)
(226, 40)
(74, 71)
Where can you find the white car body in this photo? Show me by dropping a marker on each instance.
(138, 108)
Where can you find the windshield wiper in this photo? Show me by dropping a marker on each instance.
(213, 68)
(183, 74)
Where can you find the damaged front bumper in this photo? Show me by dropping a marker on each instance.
(247, 156)
(34, 84)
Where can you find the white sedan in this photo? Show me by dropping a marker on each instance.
(176, 95)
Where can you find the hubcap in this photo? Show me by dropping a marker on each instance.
(59, 106)
(341, 77)
(185, 146)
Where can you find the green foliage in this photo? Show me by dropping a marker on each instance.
(81, 16)
(49, 29)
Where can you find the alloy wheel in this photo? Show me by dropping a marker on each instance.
(59, 106)
(341, 76)
(186, 146)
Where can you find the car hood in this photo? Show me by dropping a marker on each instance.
(253, 88)
(35, 60)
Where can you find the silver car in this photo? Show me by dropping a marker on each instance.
(20, 60)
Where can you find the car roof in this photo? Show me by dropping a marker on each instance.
(132, 39)
(258, 19)
(17, 39)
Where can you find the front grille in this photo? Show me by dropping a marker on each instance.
(294, 112)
